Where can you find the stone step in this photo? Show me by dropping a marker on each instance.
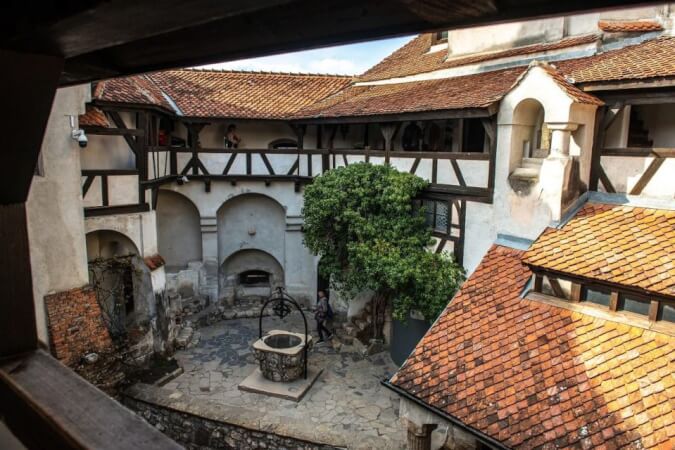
(343, 337)
(532, 163)
(350, 330)
(184, 337)
(525, 173)
(361, 324)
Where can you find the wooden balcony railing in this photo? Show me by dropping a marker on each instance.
(465, 173)
(607, 166)
(112, 191)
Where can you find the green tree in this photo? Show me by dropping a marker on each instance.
(361, 220)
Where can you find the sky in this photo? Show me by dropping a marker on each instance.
(352, 59)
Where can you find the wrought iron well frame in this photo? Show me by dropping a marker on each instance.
(280, 309)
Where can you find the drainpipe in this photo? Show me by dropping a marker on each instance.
(482, 437)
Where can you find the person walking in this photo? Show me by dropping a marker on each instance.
(322, 314)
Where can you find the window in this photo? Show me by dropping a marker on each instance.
(474, 136)
(283, 144)
(436, 215)
(634, 305)
(254, 278)
(440, 37)
(597, 296)
(667, 312)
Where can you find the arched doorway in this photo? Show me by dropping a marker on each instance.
(179, 237)
(121, 280)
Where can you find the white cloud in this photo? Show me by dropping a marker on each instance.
(351, 59)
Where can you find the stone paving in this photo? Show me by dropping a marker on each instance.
(347, 398)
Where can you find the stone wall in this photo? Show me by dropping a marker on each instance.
(204, 425)
(75, 325)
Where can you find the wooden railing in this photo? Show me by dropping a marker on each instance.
(111, 191)
(658, 155)
(465, 173)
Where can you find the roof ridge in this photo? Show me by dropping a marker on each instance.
(260, 72)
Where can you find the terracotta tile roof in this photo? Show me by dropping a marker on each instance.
(250, 95)
(533, 375)
(613, 243)
(630, 26)
(93, 117)
(565, 84)
(470, 91)
(651, 59)
(154, 262)
(139, 89)
(413, 58)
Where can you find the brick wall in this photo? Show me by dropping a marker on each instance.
(75, 325)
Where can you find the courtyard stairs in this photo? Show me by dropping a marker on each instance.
(357, 330)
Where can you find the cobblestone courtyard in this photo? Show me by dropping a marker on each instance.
(347, 399)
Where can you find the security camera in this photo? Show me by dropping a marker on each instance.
(80, 137)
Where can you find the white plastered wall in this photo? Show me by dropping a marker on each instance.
(524, 215)
(54, 208)
(298, 263)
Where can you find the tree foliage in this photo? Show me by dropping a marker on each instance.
(361, 220)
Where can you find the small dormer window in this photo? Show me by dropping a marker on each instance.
(440, 37)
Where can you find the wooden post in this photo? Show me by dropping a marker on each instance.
(141, 145)
(575, 293)
(388, 130)
(613, 300)
(27, 86)
(538, 282)
(490, 126)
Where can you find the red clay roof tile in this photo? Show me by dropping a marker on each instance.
(249, 95)
(414, 57)
(652, 269)
(93, 117)
(629, 26)
(534, 375)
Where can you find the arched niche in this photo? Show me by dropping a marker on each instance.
(179, 237)
(250, 275)
(530, 136)
(121, 280)
(249, 222)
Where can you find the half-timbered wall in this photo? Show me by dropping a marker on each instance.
(634, 173)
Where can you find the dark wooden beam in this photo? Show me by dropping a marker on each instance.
(87, 184)
(47, 405)
(116, 209)
(17, 309)
(647, 176)
(230, 161)
(606, 182)
(27, 87)
(103, 131)
(639, 152)
(110, 172)
(404, 117)
(129, 138)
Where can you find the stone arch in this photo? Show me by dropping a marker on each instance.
(530, 136)
(106, 244)
(179, 237)
(122, 281)
(250, 275)
(249, 221)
